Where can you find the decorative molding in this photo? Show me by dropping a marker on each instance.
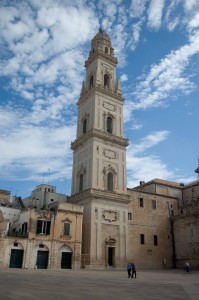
(109, 106)
(67, 220)
(110, 241)
(110, 154)
(111, 216)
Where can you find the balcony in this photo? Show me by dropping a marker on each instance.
(17, 234)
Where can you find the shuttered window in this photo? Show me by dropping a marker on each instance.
(66, 229)
(43, 227)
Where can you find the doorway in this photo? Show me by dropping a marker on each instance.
(111, 256)
(42, 259)
(16, 258)
(66, 260)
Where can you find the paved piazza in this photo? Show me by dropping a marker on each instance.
(92, 284)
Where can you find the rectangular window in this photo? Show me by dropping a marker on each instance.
(66, 229)
(154, 204)
(142, 239)
(24, 228)
(43, 227)
(155, 240)
(141, 202)
(129, 216)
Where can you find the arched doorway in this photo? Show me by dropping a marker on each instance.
(42, 257)
(66, 257)
(16, 256)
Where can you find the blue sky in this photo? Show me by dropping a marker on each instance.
(43, 48)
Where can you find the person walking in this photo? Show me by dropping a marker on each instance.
(133, 270)
(129, 270)
(187, 267)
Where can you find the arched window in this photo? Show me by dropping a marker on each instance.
(91, 81)
(106, 49)
(106, 80)
(110, 182)
(109, 125)
(85, 126)
(81, 178)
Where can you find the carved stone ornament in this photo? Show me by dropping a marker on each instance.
(109, 106)
(110, 154)
(110, 216)
(67, 220)
(110, 241)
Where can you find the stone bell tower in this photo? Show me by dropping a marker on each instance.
(99, 160)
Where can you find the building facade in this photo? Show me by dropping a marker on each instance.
(41, 238)
(186, 227)
(120, 224)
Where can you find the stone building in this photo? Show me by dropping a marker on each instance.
(4, 197)
(104, 224)
(42, 239)
(120, 224)
(186, 227)
(43, 196)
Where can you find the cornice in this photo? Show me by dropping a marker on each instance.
(105, 136)
(97, 194)
(100, 89)
(100, 54)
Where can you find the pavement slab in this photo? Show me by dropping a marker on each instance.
(98, 284)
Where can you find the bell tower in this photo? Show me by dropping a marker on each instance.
(99, 159)
(99, 150)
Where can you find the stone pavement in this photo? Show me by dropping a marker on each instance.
(97, 285)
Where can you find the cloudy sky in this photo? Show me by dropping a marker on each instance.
(43, 48)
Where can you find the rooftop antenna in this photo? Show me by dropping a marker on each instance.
(43, 178)
(197, 170)
(49, 175)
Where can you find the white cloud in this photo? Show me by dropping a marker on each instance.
(155, 13)
(142, 167)
(166, 77)
(190, 4)
(136, 33)
(32, 42)
(149, 141)
(123, 77)
(172, 19)
(194, 21)
(145, 168)
(137, 8)
(173, 24)
(32, 149)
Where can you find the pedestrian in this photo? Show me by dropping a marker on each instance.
(133, 270)
(187, 267)
(129, 270)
